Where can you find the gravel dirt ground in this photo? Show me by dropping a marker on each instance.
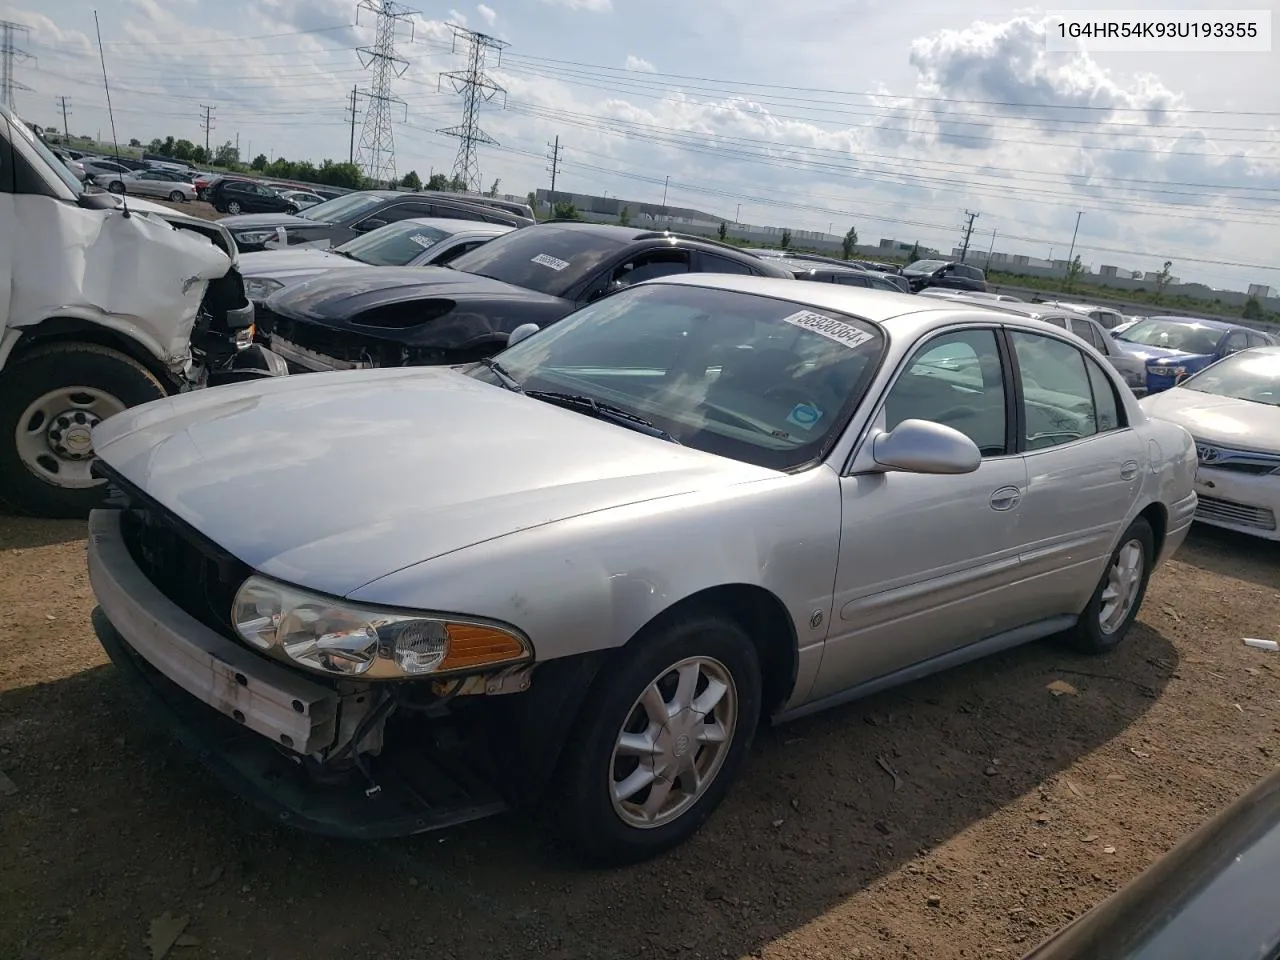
(1009, 809)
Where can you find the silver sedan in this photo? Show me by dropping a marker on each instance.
(150, 183)
(581, 572)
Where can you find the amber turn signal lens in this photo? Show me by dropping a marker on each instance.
(472, 645)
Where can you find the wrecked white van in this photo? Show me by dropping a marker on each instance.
(103, 305)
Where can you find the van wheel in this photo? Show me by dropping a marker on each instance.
(233, 208)
(659, 739)
(50, 401)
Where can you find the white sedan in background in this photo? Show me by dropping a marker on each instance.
(301, 198)
(1232, 409)
(150, 183)
(426, 241)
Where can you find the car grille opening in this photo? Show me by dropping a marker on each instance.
(1217, 510)
(340, 344)
(196, 574)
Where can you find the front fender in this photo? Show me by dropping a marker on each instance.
(592, 582)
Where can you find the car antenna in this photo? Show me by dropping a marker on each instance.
(124, 200)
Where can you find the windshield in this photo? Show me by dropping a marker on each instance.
(548, 259)
(925, 266)
(393, 245)
(759, 380)
(1244, 376)
(341, 208)
(1188, 337)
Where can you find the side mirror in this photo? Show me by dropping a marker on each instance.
(522, 332)
(366, 225)
(922, 446)
(100, 200)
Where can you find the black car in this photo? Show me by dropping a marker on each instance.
(344, 218)
(944, 273)
(1213, 895)
(233, 196)
(829, 271)
(410, 316)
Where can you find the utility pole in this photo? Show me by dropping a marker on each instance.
(990, 250)
(475, 87)
(665, 183)
(556, 150)
(351, 152)
(1079, 214)
(237, 146)
(206, 124)
(737, 214)
(10, 53)
(66, 132)
(968, 232)
(377, 154)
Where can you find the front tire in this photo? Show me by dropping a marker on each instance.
(1115, 603)
(115, 186)
(233, 208)
(660, 739)
(50, 400)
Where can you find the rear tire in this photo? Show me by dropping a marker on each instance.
(49, 401)
(176, 196)
(694, 754)
(1115, 603)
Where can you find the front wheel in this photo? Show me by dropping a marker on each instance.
(233, 208)
(50, 401)
(660, 739)
(115, 186)
(1116, 601)
(291, 208)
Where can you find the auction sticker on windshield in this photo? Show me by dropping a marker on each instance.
(828, 327)
(422, 241)
(549, 261)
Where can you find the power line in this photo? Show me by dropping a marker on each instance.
(201, 42)
(377, 154)
(11, 53)
(476, 87)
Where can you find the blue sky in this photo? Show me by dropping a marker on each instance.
(892, 118)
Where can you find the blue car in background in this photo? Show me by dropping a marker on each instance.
(1176, 347)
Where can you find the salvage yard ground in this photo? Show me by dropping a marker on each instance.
(967, 815)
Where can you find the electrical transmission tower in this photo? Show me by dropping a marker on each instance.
(10, 53)
(377, 153)
(476, 87)
(968, 232)
(206, 123)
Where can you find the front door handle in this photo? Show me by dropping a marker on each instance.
(1006, 498)
(1129, 469)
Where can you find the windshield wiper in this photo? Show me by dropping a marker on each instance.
(602, 411)
(505, 378)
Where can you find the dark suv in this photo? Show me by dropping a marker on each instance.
(944, 273)
(344, 218)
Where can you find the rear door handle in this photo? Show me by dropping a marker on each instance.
(1006, 498)
(1129, 469)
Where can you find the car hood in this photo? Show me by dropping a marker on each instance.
(1224, 420)
(292, 262)
(340, 295)
(331, 481)
(266, 221)
(1146, 353)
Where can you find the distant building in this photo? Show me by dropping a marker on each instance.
(1106, 271)
(1260, 291)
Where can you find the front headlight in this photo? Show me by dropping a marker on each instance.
(1167, 371)
(259, 288)
(255, 236)
(335, 637)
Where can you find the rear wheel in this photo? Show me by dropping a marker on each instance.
(1115, 603)
(292, 208)
(176, 196)
(50, 401)
(660, 739)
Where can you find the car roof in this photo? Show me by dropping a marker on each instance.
(1037, 310)
(898, 313)
(1203, 321)
(814, 265)
(454, 225)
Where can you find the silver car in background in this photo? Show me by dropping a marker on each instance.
(1232, 409)
(580, 572)
(150, 183)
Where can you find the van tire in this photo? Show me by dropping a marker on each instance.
(109, 375)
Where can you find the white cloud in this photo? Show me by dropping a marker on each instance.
(459, 18)
(595, 6)
(639, 63)
(487, 14)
